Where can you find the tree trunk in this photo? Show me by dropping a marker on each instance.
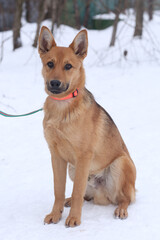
(139, 18)
(41, 14)
(31, 7)
(87, 9)
(150, 9)
(117, 11)
(54, 13)
(126, 6)
(60, 7)
(17, 25)
(77, 14)
(27, 5)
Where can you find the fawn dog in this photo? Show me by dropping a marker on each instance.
(79, 132)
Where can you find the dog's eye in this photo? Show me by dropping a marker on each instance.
(67, 66)
(50, 64)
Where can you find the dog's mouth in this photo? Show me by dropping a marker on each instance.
(57, 90)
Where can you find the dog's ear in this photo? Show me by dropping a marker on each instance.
(80, 44)
(46, 40)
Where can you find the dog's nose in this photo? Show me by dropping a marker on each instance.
(55, 84)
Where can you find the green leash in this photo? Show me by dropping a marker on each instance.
(21, 115)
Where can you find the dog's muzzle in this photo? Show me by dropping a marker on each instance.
(56, 87)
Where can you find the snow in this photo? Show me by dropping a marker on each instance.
(108, 16)
(127, 89)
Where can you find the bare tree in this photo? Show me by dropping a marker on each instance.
(60, 7)
(27, 5)
(125, 5)
(117, 12)
(119, 8)
(31, 9)
(150, 9)
(77, 14)
(17, 25)
(87, 9)
(41, 14)
(54, 6)
(139, 18)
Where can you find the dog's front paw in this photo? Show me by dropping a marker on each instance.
(53, 217)
(72, 221)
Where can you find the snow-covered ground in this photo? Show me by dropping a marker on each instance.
(127, 89)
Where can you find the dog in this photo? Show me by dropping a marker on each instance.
(81, 134)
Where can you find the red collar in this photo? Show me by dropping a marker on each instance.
(71, 95)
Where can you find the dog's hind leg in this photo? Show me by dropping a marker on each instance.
(121, 184)
(71, 171)
(121, 210)
(67, 202)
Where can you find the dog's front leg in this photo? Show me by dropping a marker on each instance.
(80, 182)
(59, 171)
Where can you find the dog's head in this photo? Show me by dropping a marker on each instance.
(63, 70)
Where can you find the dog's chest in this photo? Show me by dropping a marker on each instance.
(62, 140)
